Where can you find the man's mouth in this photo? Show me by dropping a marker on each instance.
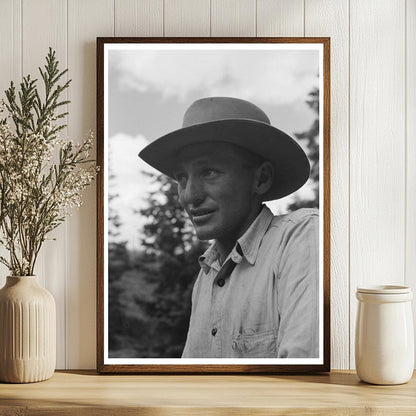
(201, 214)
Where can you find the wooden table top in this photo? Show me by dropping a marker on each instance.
(85, 392)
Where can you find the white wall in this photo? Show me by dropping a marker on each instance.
(373, 132)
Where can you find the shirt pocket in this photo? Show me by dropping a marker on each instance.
(258, 345)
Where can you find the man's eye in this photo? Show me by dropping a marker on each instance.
(180, 178)
(209, 173)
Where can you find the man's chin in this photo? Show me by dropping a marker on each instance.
(204, 234)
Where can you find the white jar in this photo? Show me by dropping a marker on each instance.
(384, 340)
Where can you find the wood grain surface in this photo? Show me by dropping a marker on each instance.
(51, 265)
(187, 18)
(85, 19)
(84, 392)
(410, 258)
(233, 18)
(330, 18)
(138, 17)
(377, 139)
(280, 18)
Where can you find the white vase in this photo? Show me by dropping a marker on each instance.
(27, 331)
(384, 338)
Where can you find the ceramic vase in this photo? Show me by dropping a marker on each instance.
(27, 331)
(384, 340)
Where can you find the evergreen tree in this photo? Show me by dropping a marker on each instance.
(118, 264)
(311, 136)
(171, 266)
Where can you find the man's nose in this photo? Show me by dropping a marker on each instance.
(194, 193)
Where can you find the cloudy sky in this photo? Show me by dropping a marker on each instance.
(149, 91)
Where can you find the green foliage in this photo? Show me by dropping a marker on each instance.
(36, 194)
(30, 113)
(311, 137)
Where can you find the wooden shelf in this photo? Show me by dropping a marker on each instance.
(85, 393)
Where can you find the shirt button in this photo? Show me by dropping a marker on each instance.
(214, 331)
(221, 282)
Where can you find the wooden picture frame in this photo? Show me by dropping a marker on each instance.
(125, 94)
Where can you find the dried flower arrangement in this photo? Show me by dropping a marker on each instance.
(42, 176)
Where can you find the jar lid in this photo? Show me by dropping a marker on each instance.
(384, 289)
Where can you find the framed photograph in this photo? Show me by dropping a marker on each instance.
(213, 205)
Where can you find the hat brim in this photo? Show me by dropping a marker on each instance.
(291, 164)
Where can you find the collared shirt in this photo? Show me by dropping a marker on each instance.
(264, 300)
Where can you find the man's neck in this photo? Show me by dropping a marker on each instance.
(224, 250)
(224, 246)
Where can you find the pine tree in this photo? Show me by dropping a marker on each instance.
(118, 265)
(171, 266)
(311, 136)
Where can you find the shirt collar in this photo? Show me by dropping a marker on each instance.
(247, 245)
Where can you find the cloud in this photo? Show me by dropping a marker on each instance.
(129, 183)
(264, 76)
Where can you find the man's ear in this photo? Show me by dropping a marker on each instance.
(264, 177)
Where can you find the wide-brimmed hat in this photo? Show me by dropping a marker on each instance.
(239, 122)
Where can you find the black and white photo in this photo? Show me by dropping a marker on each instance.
(215, 205)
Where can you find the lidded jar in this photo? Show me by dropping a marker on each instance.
(384, 337)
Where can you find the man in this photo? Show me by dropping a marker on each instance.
(256, 295)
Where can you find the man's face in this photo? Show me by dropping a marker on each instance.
(215, 186)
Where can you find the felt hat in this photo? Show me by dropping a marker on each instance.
(239, 122)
